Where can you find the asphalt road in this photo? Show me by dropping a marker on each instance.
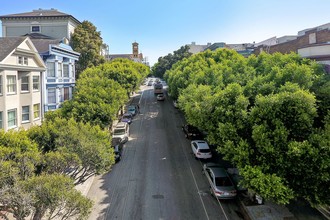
(158, 177)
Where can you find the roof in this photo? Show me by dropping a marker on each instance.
(40, 13)
(8, 44)
(42, 45)
(114, 56)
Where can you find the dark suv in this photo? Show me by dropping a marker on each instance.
(192, 132)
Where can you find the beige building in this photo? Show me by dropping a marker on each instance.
(21, 72)
(49, 22)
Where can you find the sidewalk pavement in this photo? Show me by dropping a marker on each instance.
(84, 187)
(297, 210)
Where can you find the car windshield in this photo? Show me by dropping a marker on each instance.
(204, 150)
(119, 131)
(126, 117)
(222, 181)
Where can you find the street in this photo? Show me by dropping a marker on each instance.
(158, 177)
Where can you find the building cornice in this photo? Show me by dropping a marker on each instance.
(21, 68)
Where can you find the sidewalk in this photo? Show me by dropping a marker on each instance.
(272, 211)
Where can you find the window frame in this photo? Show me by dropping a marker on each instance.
(15, 119)
(66, 93)
(36, 111)
(53, 69)
(33, 29)
(14, 85)
(22, 60)
(26, 83)
(54, 89)
(59, 70)
(26, 114)
(36, 83)
(66, 70)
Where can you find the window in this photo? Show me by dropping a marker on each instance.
(66, 93)
(24, 84)
(51, 69)
(36, 83)
(0, 85)
(65, 70)
(35, 29)
(51, 95)
(1, 126)
(11, 84)
(72, 70)
(12, 120)
(25, 113)
(23, 61)
(59, 70)
(36, 111)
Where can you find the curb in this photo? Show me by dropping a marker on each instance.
(243, 210)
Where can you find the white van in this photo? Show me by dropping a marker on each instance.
(121, 131)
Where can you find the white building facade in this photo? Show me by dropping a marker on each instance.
(21, 74)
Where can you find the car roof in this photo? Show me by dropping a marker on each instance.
(121, 124)
(202, 144)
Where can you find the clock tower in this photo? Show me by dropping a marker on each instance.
(135, 50)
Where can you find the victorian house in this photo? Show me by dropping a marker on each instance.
(21, 75)
(50, 32)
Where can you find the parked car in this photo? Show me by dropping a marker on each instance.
(192, 132)
(221, 185)
(201, 149)
(118, 148)
(127, 117)
(160, 97)
(121, 131)
(132, 109)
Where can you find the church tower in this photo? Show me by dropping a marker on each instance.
(135, 50)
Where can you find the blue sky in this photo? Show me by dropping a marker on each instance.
(162, 26)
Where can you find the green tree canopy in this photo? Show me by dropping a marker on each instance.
(87, 41)
(166, 62)
(77, 149)
(266, 114)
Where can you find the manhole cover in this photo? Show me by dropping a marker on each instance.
(158, 196)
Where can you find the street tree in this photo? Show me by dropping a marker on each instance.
(268, 115)
(166, 62)
(55, 196)
(78, 150)
(96, 100)
(88, 42)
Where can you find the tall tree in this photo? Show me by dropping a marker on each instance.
(78, 150)
(166, 62)
(88, 42)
